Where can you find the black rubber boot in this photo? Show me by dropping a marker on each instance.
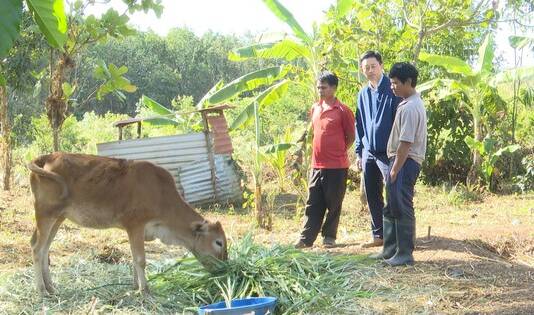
(390, 240)
(405, 243)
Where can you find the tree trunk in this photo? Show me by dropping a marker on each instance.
(55, 137)
(5, 129)
(263, 217)
(417, 49)
(56, 105)
(473, 176)
(7, 164)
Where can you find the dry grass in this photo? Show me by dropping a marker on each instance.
(479, 258)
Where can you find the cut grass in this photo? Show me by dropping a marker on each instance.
(303, 282)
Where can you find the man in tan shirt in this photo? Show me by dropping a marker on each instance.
(406, 151)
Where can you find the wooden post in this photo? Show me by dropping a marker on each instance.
(139, 130)
(210, 153)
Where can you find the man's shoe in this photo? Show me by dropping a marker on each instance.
(405, 244)
(329, 242)
(376, 242)
(301, 244)
(390, 240)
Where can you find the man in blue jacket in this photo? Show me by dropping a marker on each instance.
(374, 118)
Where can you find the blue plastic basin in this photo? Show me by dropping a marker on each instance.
(258, 305)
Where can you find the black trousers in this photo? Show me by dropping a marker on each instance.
(375, 172)
(326, 190)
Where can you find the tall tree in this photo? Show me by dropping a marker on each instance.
(50, 17)
(429, 17)
(85, 31)
(162, 67)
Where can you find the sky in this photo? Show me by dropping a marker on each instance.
(242, 16)
(223, 16)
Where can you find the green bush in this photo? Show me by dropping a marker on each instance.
(460, 194)
(525, 183)
(448, 157)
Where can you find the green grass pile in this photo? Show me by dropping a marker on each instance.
(305, 282)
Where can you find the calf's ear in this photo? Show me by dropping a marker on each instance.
(200, 227)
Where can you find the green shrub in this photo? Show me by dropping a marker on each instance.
(460, 194)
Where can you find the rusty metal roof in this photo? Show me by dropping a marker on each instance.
(222, 143)
(216, 108)
(128, 121)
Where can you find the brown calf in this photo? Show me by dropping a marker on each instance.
(101, 193)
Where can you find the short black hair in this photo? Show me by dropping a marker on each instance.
(328, 77)
(404, 71)
(371, 54)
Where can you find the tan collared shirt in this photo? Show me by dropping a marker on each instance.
(409, 126)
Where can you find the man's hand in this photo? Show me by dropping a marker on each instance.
(400, 158)
(392, 176)
(358, 164)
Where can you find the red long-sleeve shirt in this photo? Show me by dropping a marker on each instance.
(333, 132)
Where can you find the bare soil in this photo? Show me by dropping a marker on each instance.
(478, 258)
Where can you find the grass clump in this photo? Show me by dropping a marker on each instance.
(304, 282)
(460, 194)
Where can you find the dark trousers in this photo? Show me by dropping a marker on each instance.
(326, 190)
(399, 194)
(375, 172)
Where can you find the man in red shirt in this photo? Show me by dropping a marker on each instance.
(333, 134)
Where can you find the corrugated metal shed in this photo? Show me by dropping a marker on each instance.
(195, 179)
(186, 157)
(169, 152)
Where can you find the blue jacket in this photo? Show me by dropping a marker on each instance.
(373, 127)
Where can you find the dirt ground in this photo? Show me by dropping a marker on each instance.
(478, 257)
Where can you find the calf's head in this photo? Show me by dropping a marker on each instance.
(209, 241)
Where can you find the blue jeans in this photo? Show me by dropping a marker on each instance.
(399, 194)
(375, 172)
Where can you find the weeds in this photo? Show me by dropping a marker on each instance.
(460, 194)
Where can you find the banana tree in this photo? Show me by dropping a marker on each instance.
(252, 113)
(221, 93)
(51, 20)
(488, 150)
(302, 55)
(474, 83)
(48, 14)
(300, 50)
(268, 79)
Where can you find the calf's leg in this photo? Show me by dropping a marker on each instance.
(136, 237)
(38, 242)
(46, 260)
